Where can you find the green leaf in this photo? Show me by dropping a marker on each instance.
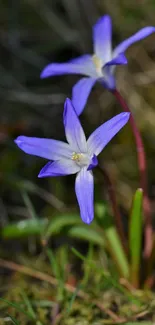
(116, 250)
(86, 233)
(59, 222)
(135, 236)
(24, 228)
(113, 243)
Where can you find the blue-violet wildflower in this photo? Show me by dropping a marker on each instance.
(77, 156)
(97, 67)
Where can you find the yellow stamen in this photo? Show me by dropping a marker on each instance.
(98, 63)
(76, 156)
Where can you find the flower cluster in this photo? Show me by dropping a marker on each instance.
(78, 155)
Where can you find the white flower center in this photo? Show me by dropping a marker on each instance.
(98, 65)
(81, 159)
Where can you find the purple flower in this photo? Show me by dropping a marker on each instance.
(77, 156)
(97, 67)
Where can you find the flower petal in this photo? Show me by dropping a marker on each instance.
(80, 65)
(73, 129)
(80, 93)
(59, 168)
(142, 33)
(84, 188)
(45, 148)
(93, 163)
(102, 33)
(119, 59)
(102, 135)
(108, 81)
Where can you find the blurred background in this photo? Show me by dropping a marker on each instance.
(34, 33)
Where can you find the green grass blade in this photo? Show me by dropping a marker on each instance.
(86, 268)
(16, 306)
(57, 271)
(14, 321)
(135, 237)
(111, 280)
(88, 234)
(116, 250)
(78, 254)
(29, 305)
(29, 205)
(74, 295)
(59, 222)
(54, 264)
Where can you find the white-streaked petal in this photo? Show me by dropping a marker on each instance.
(102, 33)
(108, 80)
(45, 148)
(80, 93)
(104, 133)
(141, 34)
(118, 60)
(84, 188)
(73, 129)
(59, 168)
(81, 65)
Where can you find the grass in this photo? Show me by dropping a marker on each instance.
(71, 283)
(39, 294)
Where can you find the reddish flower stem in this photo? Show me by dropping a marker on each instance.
(116, 212)
(148, 231)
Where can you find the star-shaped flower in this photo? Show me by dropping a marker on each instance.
(97, 67)
(77, 156)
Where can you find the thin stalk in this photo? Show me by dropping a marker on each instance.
(148, 231)
(116, 212)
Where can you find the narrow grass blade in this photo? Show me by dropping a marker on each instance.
(89, 234)
(57, 271)
(29, 305)
(74, 295)
(116, 250)
(29, 205)
(16, 306)
(135, 237)
(54, 264)
(86, 268)
(14, 321)
(78, 254)
(111, 280)
(59, 222)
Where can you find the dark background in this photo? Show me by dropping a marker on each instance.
(34, 33)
